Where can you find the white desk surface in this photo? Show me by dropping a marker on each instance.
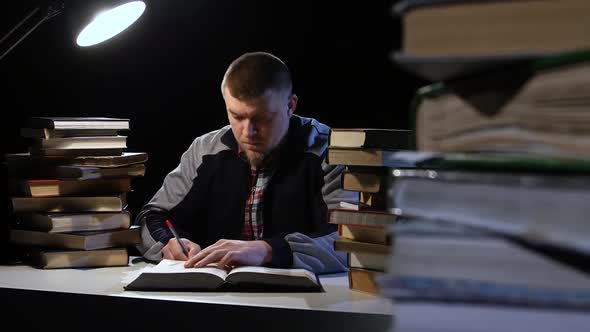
(109, 282)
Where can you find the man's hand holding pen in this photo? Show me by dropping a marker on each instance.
(177, 248)
(172, 249)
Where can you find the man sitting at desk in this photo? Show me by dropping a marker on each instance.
(255, 192)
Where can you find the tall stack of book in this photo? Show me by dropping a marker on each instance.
(495, 212)
(363, 227)
(69, 192)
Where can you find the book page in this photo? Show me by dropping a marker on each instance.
(171, 275)
(257, 278)
(173, 266)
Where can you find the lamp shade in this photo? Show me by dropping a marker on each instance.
(107, 19)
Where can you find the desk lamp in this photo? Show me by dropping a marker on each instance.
(112, 17)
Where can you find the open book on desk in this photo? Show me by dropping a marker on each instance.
(171, 275)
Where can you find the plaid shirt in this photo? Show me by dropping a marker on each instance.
(253, 223)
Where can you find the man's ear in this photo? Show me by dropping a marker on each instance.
(292, 104)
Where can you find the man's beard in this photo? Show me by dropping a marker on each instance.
(255, 158)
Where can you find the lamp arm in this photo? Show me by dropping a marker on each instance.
(34, 18)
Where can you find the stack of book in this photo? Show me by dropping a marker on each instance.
(362, 227)
(69, 192)
(466, 278)
(495, 210)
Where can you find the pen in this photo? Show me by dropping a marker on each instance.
(184, 250)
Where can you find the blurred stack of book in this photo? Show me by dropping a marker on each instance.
(492, 218)
(69, 192)
(362, 227)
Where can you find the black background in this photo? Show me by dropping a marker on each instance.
(164, 72)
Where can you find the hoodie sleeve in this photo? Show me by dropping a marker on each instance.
(152, 217)
(316, 253)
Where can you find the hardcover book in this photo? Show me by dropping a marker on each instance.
(68, 172)
(92, 142)
(364, 233)
(70, 204)
(78, 240)
(71, 153)
(59, 259)
(73, 222)
(78, 123)
(437, 261)
(171, 275)
(368, 157)
(539, 207)
(460, 27)
(49, 188)
(361, 217)
(26, 160)
(365, 179)
(364, 280)
(447, 39)
(61, 133)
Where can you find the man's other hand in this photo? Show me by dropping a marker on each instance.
(232, 253)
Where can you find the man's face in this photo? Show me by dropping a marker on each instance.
(259, 124)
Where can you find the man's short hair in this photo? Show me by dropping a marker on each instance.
(252, 74)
